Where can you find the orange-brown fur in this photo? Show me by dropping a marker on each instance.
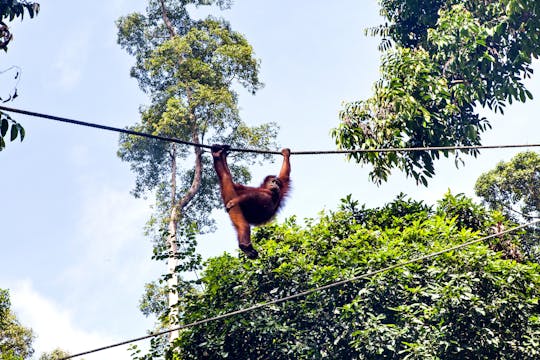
(250, 205)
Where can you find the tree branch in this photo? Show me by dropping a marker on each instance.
(166, 19)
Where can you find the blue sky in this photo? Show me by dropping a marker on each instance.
(73, 253)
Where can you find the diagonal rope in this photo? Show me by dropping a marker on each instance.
(102, 127)
(307, 292)
(259, 151)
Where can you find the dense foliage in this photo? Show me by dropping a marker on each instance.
(471, 303)
(15, 339)
(442, 59)
(513, 188)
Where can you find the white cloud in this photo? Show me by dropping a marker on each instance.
(108, 262)
(55, 327)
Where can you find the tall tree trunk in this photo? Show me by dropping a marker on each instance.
(172, 261)
(177, 208)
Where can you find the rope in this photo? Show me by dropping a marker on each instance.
(307, 292)
(102, 127)
(259, 151)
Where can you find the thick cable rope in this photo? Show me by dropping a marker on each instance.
(259, 151)
(102, 127)
(304, 293)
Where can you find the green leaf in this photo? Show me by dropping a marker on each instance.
(21, 131)
(14, 132)
(4, 127)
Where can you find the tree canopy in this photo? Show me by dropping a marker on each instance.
(15, 339)
(512, 188)
(472, 303)
(188, 68)
(441, 61)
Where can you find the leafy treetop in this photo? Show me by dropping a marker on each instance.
(471, 303)
(441, 60)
